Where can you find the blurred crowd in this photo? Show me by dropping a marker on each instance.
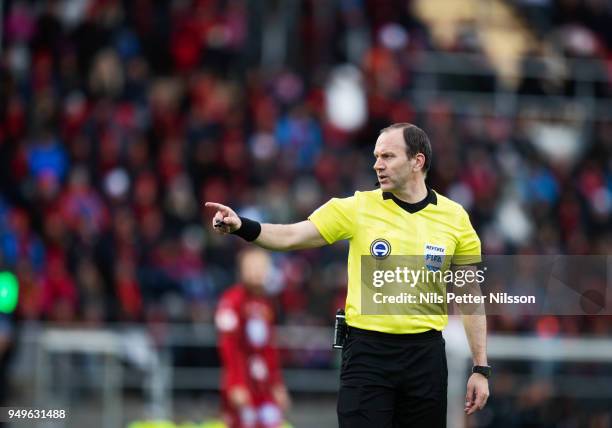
(119, 119)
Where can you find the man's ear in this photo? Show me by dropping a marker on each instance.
(419, 163)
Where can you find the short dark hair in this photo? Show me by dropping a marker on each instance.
(416, 141)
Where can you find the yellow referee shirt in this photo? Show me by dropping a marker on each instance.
(378, 225)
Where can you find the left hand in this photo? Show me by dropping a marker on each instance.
(281, 396)
(477, 393)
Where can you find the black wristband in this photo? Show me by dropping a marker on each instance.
(250, 229)
(483, 370)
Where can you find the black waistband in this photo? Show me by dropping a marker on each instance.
(426, 335)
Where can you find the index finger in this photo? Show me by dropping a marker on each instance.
(217, 206)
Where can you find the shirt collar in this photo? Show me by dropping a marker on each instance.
(431, 198)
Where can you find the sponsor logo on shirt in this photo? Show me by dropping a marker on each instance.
(380, 248)
(258, 368)
(257, 332)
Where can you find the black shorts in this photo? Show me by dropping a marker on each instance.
(390, 380)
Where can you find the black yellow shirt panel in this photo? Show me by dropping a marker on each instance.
(368, 219)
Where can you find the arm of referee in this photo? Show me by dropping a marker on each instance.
(278, 237)
(475, 325)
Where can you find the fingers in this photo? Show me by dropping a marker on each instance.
(477, 404)
(225, 220)
(223, 225)
(469, 400)
(476, 398)
(220, 207)
(220, 227)
(239, 397)
(282, 398)
(481, 400)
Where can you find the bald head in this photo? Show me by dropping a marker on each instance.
(254, 265)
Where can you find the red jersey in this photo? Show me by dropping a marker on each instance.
(245, 323)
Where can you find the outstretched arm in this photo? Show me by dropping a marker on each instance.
(280, 237)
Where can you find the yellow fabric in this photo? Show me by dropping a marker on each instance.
(367, 216)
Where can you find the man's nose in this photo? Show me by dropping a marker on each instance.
(379, 165)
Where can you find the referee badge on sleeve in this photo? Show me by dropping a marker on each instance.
(380, 248)
(434, 257)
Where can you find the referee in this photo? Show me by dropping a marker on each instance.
(394, 371)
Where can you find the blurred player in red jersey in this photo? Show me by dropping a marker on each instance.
(253, 393)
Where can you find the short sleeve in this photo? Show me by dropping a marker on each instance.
(335, 219)
(468, 250)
